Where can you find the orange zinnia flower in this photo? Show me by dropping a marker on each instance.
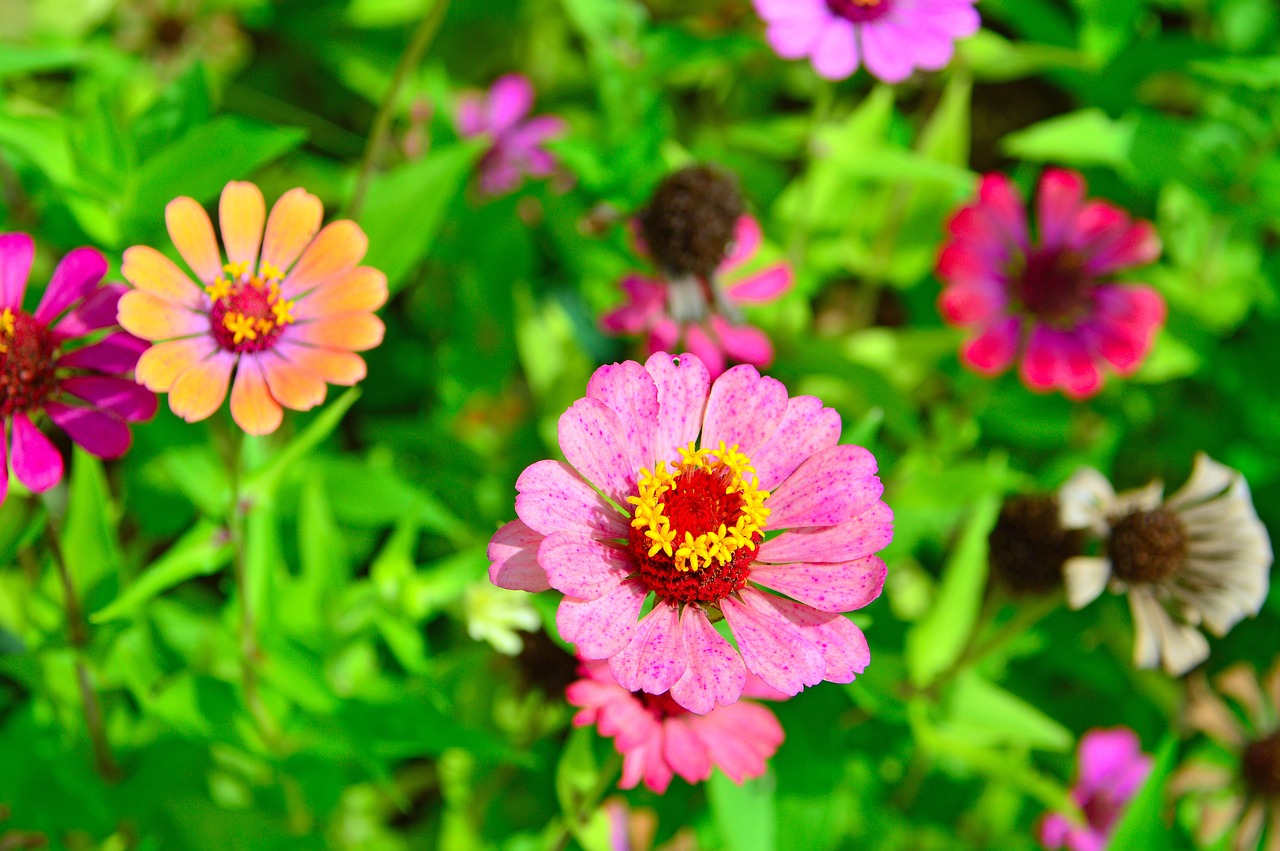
(285, 327)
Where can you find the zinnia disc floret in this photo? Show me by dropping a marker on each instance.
(740, 506)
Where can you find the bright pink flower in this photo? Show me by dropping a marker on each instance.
(1112, 768)
(715, 339)
(517, 143)
(695, 543)
(1047, 302)
(891, 37)
(658, 738)
(53, 362)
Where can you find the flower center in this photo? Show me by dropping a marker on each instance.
(248, 311)
(1028, 545)
(691, 219)
(1101, 811)
(660, 706)
(697, 525)
(858, 11)
(27, 362)
(1053, 286)
(1260, 766)
(1147, 546)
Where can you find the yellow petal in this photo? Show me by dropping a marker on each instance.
(335, 251)
(252, 407)
(241, 212)
(154, 318)
(334, 366)
(192, 233)
(164, 362)
(294, 386)
(148, 269)
(199, 390)
(352, 331)
(294, 220)
(360, 290)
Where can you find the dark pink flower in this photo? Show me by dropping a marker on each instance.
(53, 363)
(693, 542)
(659, 738)
(891, 37)
(1112, 769)
(1047, 301)
(517, 140)
(714, 338)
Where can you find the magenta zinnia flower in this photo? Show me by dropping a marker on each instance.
(1112, 769)
(1048, 301)
(891, 37)
(52, 362)
(694, 542)
(659, 738)
(517, 148)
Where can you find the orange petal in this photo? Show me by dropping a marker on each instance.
(334, 366)
(241, 212)
(252, 407)
(362, 289)
(164, 362)
(294, 220)
(352, 331)
(148, 269)
(154, 318)
(293, 386)
(199, 390)
(192, 232)
(335, 251)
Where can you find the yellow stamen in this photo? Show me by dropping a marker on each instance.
(6, 329)
(219, 290)
(282, 309)
(241, 326)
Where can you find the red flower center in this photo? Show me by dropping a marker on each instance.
(27, 363)
(660, 706)
(1053, 287)
(858, 11)
(248, 312)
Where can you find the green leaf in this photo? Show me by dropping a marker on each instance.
(263, 481)
(202, 551)
(577, 773)
(745, 814)
(988, 714)
(1088, 137)
(995, 59)
(41, 140)
(22, 59)
(1142, 825)
(90, 538)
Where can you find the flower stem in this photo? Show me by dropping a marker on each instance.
(412, 55)
(608, 777)
(1029, 613)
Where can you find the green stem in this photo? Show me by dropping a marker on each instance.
(1029, 613)
(412, 55)
(608, 777)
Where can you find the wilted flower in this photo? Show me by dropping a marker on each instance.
(54, 362)
(1112, 768)
(891, 37)
(694, 541)
(285, 328)
(1028, 546)
(1200, 557)
(495, 614)
(517, 148)
(659, 738)
(1048, 302)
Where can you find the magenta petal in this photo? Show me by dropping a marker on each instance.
(869, 532)
(628, 390)
(994, 349)
(1040, 364)
(602, 627)
(743, 410)
(1106, 755)
(834, 486)
(973, 303)
(126, 399)
(4, 460)
(593, 440)
(1137, 245)
(100, 433)
(714, 673)
(773, 649)
(684, 751)
(806, 428)
(1054, 830)
(764, 286)
(98, 310)
(471, 119)
(999, 197)
(1058, 202)
(835, 52)
(17, 250)
(78, 272)
(707, 349)
(654, 658)
(115, 353)
(510, 99)
(843, 646)
(967, 265)
(682, 398)
(552, 498)
(36, 461)
(513, 556)
(663, 336)
(826, 587)
(643, 308)
(746, 242)
(743, 343)
(886, 50)
(581, 567)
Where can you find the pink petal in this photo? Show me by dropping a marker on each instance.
(772, 648)
(644, 305)
(602, 627)
(867, 533)
(593, 441)
(1054, 830)
(1058, 203)
(740, 738)
(552, 498)
(115, 353)
(746, 242)
(95, 312)
(968, 265)
(657, 774)
(17, 250)
(664, 335)
(707, 349)
(834, 486)
(744, 409)
(835, 53)
(764, 286)
(1098, 227)
(794, 38)
(126, 399)
(4, 453)
(1106, 756)
(994, 349)
(684, 751)
(654, 659)
(973, 303)
(1000, 199)
(581, 567)
(36, 461)
(1138, 245)
(742, 343)
(1080, 378)
(840, 587)
(784, 10)
(76, 274)
(842, 645)
(1040, 364)
(513, 553)
(806, 429)
(714, 673)
(471, 119)
(510, 99)
(682, 398)
(628, 390)
(886, 49)
(1127, 320)
(100, 433)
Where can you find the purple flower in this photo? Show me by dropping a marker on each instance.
(517, 142)
(1112, 769)
(891, 37)
(52, 362)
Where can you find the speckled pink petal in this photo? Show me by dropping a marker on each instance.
(602, 627)
(834, 486)
(581, 567)
(772, 649)
(552, 498)
(513, 556)
(684, 751)
(764, 286)
(869, 532)
(73, 278)
(744, 409)
(17, 250)
(682, 399)
(746, 242)
(840, 587)
(993, 350)
(36, 461)
(593, 440)
(714, 673)
(654, 658)
(843, 646)
(742, 343)
(1058, 202)
(806, 428)
(629, 391)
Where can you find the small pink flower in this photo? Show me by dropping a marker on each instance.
(693, 541)
(53, 362)
(1047, 302)
(714, 338)
(517, 143)
(891, 37)
(1112, 769)
(658, 738)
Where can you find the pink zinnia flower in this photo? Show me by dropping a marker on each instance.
(659, 738)
(694, 542)
(891, 37)
(1112, 769)
(1048, 302)
(517, 143)
(53, 362)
